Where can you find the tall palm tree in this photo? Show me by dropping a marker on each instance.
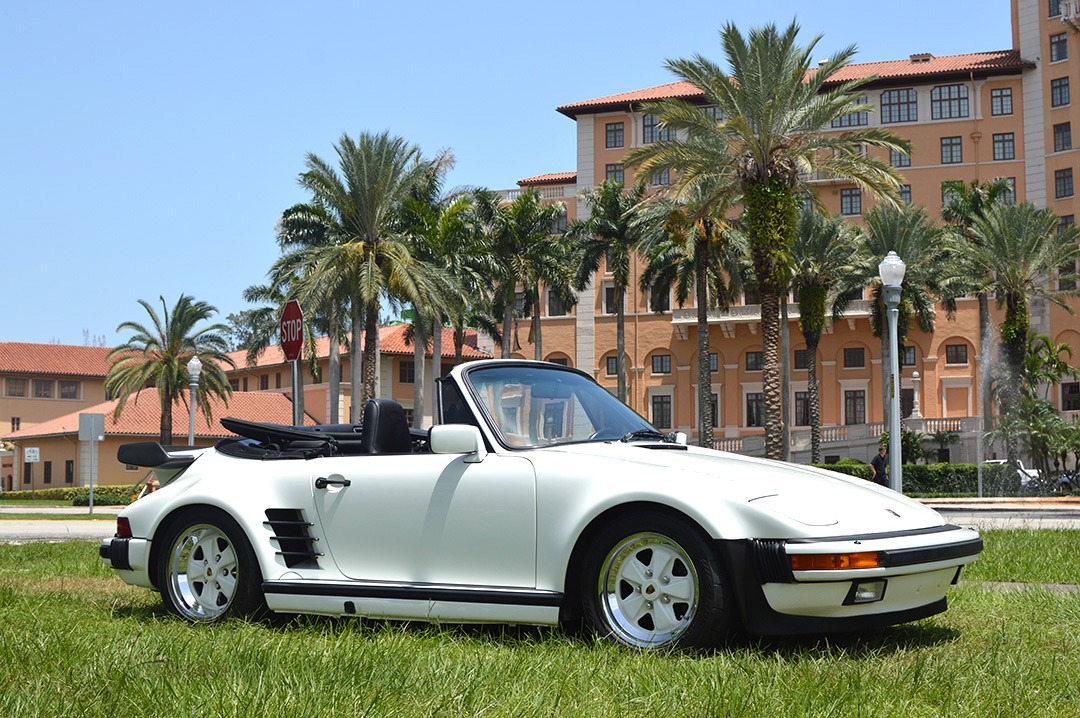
(361, 206)
(964, 202)
(1020, 248)
(934, 274)
(608, 234)
(156, 357)
(689, 244)
(774, 109)
(825, 249)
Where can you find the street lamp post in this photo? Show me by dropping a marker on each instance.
(891, 271)
(194, 367)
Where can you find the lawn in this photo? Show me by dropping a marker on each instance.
(77, 641)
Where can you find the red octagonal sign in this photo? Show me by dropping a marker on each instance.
(292, 330)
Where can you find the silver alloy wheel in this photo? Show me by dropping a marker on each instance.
(202, 572)
(648, 590)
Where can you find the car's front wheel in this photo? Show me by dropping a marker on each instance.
(209, 571)
(654, 581)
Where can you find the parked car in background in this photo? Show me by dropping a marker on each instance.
(537, 498)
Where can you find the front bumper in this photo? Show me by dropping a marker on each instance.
(130, 557)
(917, 569)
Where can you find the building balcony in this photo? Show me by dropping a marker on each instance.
(750, 315)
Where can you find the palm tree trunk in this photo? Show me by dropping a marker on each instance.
(334, 368)
(419, 356)
(538, 340)
(704, 376)
(985, 352)
(436, 358)
(812, 340)
(356, 382)
(459, 343)
(166, 422)
(507, 325)
(770, 345)
(371, 351)
(785, 377)
(620, 344)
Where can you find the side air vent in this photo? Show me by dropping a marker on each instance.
(293, 536)
(772, 561)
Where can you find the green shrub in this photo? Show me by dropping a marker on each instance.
(851, 467)
(76, 495)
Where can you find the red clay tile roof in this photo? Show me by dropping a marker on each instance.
(142, 417)
(549, 178)
(889, 72)
(391, 341)
(58, 359)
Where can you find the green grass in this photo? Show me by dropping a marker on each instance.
(77, 641)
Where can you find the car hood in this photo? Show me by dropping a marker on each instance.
(808, 496)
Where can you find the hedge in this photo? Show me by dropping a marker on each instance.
(998, 480)
(77, 495)
(851, 467)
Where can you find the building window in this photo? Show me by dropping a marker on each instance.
(751, 295)
(1004, 146)
(614, 172)
(905, 193)
(43, 388)
(948, 102)
(1055, 8)
(854, 358)
(714, 407)
(1059, 92)
(1001, 101)
(234, 384)
(899, 106)
(558, 225)
(907, 356)
(800, 359)
(755, 361)
(1066, 272)
(851, 201)
(755, 409)
(1070, 396)
(660, 301)
(956, 354)
(714, 363)
(556, 307)
(952, 151)
(277, 379)
(653, 131)
(406, 372)
(1063, 137)
(561, 361)
(714, 113)
(609, 300)
(855, 119)
(661, 411)
(661, 364)
(1009, 197)
(907, 402)
(554, 414)
(855, 406)
(46, 473)
(69, 471)
(28, 472)
(613, 135)
(16, 422)
(612, 366)
(1059, 47)
(264, 382)
(802, 408)
(899, 159)
(661, 179)
(69, 390)
(16, 387)
(1063, 183)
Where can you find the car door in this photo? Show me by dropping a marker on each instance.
(429, 518)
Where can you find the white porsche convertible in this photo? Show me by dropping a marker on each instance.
(537, 498)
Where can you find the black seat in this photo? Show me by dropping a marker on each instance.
(385, 430)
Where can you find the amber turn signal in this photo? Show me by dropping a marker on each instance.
(835, 561)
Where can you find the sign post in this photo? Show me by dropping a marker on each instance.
(32, 455)
(92, 429)
(292, 341)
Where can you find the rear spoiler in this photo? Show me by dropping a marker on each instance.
(152, 455)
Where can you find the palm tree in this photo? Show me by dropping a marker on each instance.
(608, 234)
(774, 110)
(361, 207)
(934, 274)
(825, 249)
(689, 244)
(1020, 248)
(964, 202)
(157, 357)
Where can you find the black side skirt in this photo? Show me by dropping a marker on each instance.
(416, 592)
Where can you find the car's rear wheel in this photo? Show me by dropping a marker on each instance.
(654, 581)
(208, 571)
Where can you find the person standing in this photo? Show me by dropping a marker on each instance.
(880, 463)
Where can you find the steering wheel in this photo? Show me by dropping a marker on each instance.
(605, 432)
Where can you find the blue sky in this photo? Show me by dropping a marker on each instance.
(148, 148)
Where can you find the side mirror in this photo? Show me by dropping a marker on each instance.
(680, 438)
(458, 439)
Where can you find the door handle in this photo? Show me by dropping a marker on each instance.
(322, 482)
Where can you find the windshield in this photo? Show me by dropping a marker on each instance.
(531, 406)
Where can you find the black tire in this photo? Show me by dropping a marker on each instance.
(653, 581)
(207, 571)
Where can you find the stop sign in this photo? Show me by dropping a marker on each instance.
(292, 330)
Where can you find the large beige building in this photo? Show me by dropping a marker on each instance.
(977, 116)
